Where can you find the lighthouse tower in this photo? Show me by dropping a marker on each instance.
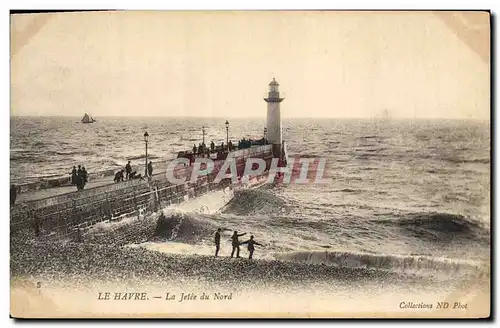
(274, 128)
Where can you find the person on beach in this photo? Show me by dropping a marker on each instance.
(251, 242)
(236, 243)
(13, 194)
(150, 169)
(128, 170)
(74, 177)
(212, 146)
(217, 242)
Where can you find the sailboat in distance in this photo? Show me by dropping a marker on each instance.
(88, 119)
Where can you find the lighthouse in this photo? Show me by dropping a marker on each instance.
(274, 128)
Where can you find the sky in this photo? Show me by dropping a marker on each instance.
(219, 64)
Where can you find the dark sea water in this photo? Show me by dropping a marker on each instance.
(405, 194)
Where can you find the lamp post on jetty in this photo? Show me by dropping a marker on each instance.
(227, 134)
(146, 138)
(203, 131)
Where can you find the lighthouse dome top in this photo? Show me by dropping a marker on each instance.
(274, 82)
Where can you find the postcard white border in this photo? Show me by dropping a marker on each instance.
(177, 5)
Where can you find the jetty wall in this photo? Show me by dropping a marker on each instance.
(70, 215)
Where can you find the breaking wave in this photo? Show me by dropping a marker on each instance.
(389, 262)
(369, 137)
(464, 160)
(305, 155)
(150, 156)
(254, 201)
(183, 227)
(348, 190)
(70, 152)
(441, 222)
(441, 226)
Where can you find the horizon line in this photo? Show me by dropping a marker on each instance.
(264, 117)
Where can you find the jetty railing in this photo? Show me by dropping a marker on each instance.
(65, 181)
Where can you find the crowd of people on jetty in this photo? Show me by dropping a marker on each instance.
(203, 149)
(128, 174)
(221, 151)
(79, 177)
(236, 244)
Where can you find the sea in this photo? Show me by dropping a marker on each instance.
(405, 195)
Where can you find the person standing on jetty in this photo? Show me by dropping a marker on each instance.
(128, 170)
(236, 243)
(84, 177)
(74, 177)
(217, 242)
(119, 176)
(251, 242)
(79, 178)
(150, 170)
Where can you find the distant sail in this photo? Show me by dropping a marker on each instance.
(87, 119)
